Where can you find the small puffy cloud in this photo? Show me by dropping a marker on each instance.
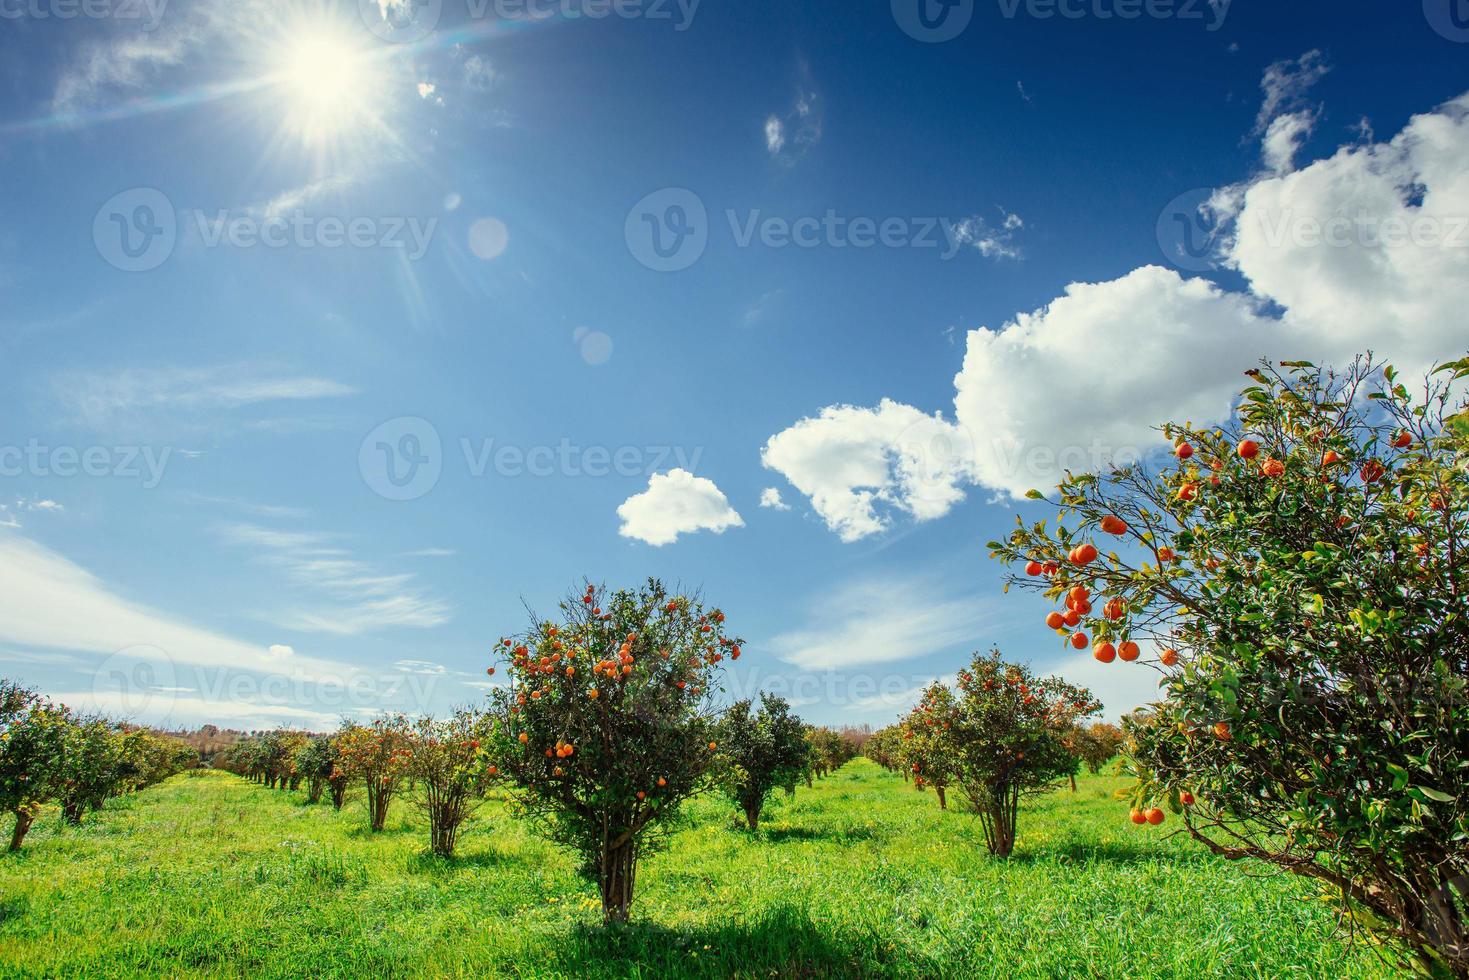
(857, 463)
(676, 502)
(280, 650)
(790, 134)
(1285, 84)
(770, 497)
(775, 139)
(993, 241)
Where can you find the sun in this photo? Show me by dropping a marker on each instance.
(326, 83)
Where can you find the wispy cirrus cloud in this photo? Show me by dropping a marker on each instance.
(357, 596)
(879, 620)
(177, 397)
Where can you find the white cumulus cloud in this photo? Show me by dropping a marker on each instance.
(676, 502)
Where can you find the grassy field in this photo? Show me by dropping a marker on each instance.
(207, 875)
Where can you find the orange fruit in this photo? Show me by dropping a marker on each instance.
(1184, 450)
(1137, 816)
(1104, 651)
(1128, 651)
(1168, 657)
(1114, 525)
(1248, 449)
(1079, 640)
(1155, 816)
(1054, 620)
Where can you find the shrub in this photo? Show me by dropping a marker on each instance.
(1009, 734)
(450, 764)
(33, 737)
(379, 755)
(1303, 571)
(606, 726)
(761, 750)
(926, 747)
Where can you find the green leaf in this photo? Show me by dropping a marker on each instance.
(1437, 796)
(1034, 495)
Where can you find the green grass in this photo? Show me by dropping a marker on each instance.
(208, 875)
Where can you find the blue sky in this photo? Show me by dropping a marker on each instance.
(331, 340)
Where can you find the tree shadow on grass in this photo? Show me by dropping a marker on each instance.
(1105, 852)
(779, 835)
(426, 862)
(782, 942)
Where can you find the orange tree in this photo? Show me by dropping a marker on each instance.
(1009, 734)
(606, 726)
(883, 748)
(315, 761)
(760, 750)
(1096, 745)
(33, 739)
(93, 768)
(378, 755)
(1302, 573)
(452, 772)
(926, 747)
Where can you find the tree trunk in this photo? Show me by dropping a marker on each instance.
(445, 814)
(313, 791)
(378, 798)
(752, 816)
(617, 876)
(339, 794)
(1073, 782)
(23, 821)
(943, 802)
(72, 813)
